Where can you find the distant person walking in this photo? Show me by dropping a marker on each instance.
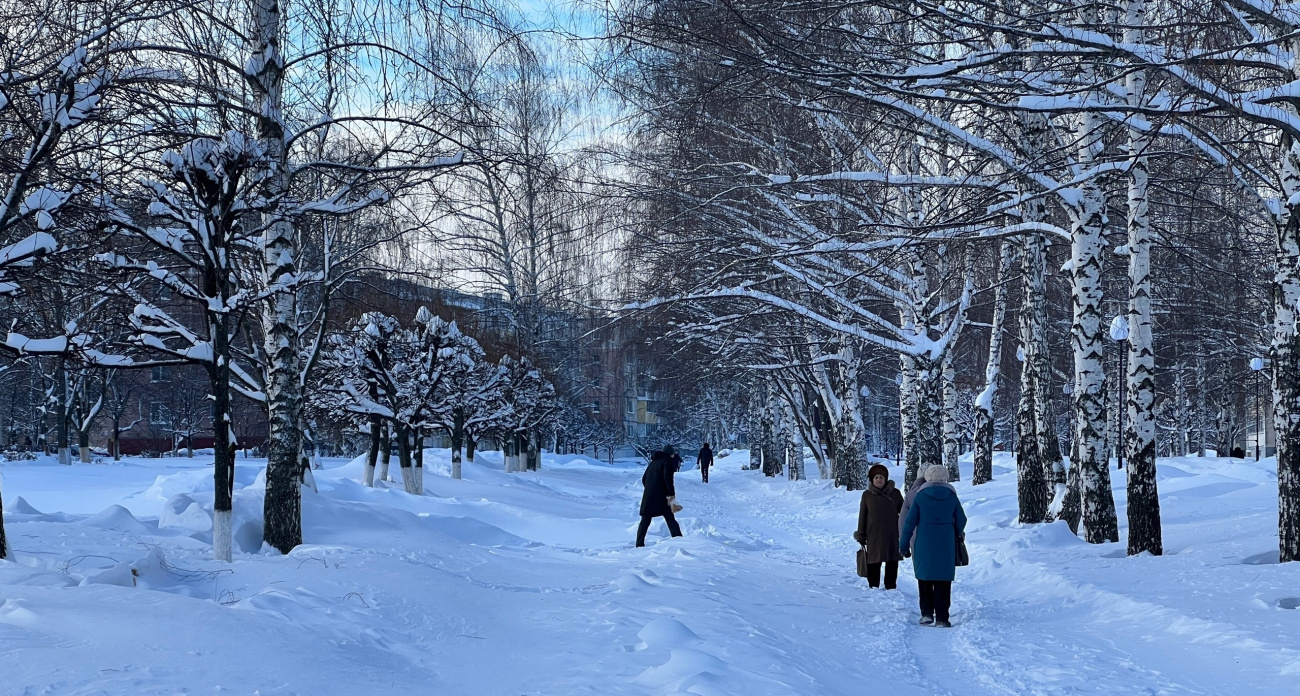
(878, 527)
(939, 521)
(660, 496)
(705, 458)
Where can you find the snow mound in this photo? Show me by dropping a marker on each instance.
(13, 611)
(685, 670)
(666, 633)
(22, 507)
(118, 518)
(184, 513)
(120, 574)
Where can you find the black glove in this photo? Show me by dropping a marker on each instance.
(857, 536)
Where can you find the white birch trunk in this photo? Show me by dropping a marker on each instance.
(1086, 255)
(928, 387)
(951, 434)
(283, 503)
(1201, 407)
(850, 433)
(907, 406)
(984, 415)
(1285, 350)
(1031, 484)
(1139, 438)
(830, 400)
(1182, 430)
(1032, 479)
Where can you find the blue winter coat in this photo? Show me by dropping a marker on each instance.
(937, 518)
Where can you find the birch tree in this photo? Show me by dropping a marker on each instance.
(984, 416)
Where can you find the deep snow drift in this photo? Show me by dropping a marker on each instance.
(528, 583)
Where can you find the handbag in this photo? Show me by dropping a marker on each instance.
(963, 556)
(862, 561)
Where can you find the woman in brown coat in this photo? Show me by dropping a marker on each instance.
(878, 527)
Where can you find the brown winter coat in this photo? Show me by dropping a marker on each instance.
(878, 523)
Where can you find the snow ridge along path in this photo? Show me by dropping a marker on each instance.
(517, 584)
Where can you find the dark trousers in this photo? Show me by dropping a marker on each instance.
(673, 527)
(891, 575)
(704, 471)
(936, 598)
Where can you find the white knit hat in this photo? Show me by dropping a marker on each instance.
(937, 473)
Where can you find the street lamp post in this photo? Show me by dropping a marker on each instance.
(1119, 334)
(1257, 365)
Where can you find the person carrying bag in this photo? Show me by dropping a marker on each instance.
(878, 529)
(940, 524)
(659, 499)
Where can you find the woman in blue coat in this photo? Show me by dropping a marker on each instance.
(938, 520)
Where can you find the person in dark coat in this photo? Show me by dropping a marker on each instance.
(878, 527)
(938, 519)
(705, 458)
(660, 496)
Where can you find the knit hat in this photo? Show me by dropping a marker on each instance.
(937, 473)
(669, 450)
(877, 469)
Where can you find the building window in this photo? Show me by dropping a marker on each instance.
(595, 407)
(158, 374)
(158, 413)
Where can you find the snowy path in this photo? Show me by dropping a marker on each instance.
(1021, 627)
(528, 584)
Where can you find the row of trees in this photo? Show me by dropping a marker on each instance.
(847, 202)
(406, 382)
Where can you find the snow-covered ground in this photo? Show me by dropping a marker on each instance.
(517, 584)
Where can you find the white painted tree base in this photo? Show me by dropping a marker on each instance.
(368, 477)
(221, 535)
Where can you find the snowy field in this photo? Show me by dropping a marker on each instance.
(528, 584)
